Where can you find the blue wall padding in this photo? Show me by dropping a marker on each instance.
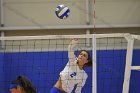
(43, 69)
(2, 74)
(110, 70)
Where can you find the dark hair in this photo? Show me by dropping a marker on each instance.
(89, 64)
(26, 84)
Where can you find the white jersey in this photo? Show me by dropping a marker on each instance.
(71, 76)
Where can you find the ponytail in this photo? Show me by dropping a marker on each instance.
(25, 84)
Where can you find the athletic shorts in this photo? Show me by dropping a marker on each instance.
(56, 90)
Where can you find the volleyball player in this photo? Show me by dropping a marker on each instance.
(22, 85)
(73, 74)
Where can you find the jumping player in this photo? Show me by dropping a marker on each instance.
(73, 73)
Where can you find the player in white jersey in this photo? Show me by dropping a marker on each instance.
(73, 73)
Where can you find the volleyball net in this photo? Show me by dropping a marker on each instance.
(42, 58)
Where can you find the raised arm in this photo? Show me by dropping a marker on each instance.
(71, 46)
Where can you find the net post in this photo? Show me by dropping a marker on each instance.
(129, 54)
(94, 65)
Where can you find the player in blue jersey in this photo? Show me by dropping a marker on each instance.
(73, 73)
(22, 85)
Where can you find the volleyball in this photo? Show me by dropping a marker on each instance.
(62, 11)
